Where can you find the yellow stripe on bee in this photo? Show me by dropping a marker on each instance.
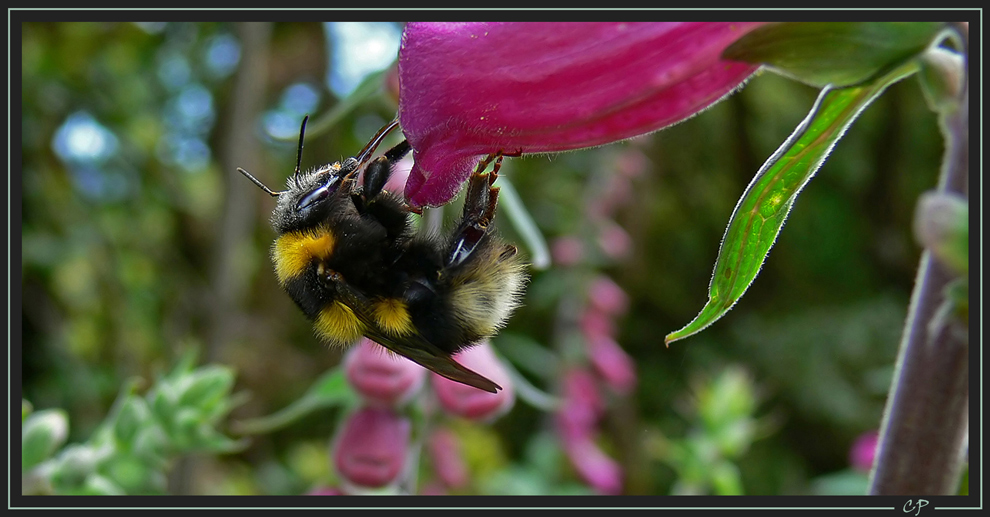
(338, 324)
(392, 316)
(294, 251)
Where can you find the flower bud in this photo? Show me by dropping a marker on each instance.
(863, 451)
(605, 295)
(941, 224)
(597, 469)
(370, 450)
(380, 377)
(567, 251)
(470, 402)
(581, 406)
(445, 453)
(612, 363)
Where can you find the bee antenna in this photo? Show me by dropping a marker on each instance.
(369, 149)
(302, 133)
(259, 183)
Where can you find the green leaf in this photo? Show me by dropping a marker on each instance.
(100, 485)
(132, 417)
(75, 464)
(760, 213)
(725, 479)
(839, 54)
(206, 389)
(42, 434)
(134, 476)
(329, 390)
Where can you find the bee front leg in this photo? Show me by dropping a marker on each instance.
(377, 172)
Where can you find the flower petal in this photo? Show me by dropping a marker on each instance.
(471, 89)
(469, 402)
(382, 378)
(372, 447)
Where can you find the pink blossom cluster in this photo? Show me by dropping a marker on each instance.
(374, 446)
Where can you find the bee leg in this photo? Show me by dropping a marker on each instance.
(480, 203)
(377, 172)
(351, 297)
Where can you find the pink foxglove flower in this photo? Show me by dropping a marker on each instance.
(380, 377)
(582, 406)
(612, 363)
(595, 467)
(470, 402)
(372, 448)
(605, 295)
(577, 422)
(444, 449)
(471, 89)
(567, 250)
(863, 451)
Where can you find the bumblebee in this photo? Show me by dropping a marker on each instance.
(349, 257)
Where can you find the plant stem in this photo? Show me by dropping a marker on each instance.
(925, 426)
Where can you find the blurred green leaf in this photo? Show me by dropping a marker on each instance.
(329, 390)
(42, 433)
(133, 416)
(834, 53)
(134, 476)
(725, 479)
(207, 389)
(99, 485)
(72, 467)
(846, 482)
(761, 211)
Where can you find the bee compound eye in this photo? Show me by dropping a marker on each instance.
(313, 197)
(321, 193)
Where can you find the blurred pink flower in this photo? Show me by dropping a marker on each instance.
(470, 402)
(471, 89)
(612, 363)
(616, 193)
(577, 422)
(614, 241)
(371, 448)
(597, 469)
(433, 488)
(380, 377)
(444, 449)
(567, 250)
(632, 163)
(596, 322)
(863, 451)
(605, 295)
(581, 405)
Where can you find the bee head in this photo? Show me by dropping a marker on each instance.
(311, 196)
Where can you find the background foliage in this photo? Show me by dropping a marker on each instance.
(140, 242)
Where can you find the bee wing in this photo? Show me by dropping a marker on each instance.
(420, 351)
(412, 346)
